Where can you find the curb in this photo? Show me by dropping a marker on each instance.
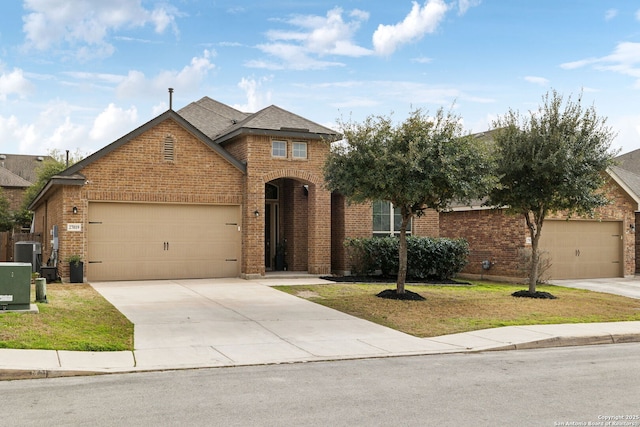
(555, 342)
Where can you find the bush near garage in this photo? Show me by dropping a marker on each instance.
(427, 257)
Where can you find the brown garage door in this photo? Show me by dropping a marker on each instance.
(139, 241)
(582, 249)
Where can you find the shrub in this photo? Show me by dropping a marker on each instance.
(427, 257)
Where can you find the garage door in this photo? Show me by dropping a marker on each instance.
(582, 249)
(137, 241)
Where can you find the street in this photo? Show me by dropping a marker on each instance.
(549, 387)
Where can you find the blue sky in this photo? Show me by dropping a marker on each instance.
(77, 75)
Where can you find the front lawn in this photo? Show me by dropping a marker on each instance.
(481, 305)
(76, 318)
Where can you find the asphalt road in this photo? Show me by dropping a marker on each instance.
(550, 387)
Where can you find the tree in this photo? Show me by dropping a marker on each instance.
(55, 163)
(423, 163)
(551, 160)
(6, 219)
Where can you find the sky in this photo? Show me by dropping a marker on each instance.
(77, 75)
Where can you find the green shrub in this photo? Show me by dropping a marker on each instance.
(427, 257)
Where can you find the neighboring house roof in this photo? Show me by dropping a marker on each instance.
(630, 161)
(10, 179)
(23, 165)
(628, 180)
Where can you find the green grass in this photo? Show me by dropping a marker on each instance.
(76, 318)
(483, 305)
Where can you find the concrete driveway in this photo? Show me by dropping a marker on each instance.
(223, 322)
(625, 286)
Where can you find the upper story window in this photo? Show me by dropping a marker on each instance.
(299, 150)
(387, 219)
(279, 148)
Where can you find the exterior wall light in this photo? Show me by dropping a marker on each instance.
(257, 213)
(74, 210)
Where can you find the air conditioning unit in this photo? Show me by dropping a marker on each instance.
(28, 252)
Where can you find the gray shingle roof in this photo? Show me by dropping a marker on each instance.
(221, 122)
(25, 166)
(630, 161)
(632, 180)
(10, 179)
(211, 117)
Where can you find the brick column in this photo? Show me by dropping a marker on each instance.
(319, 230)
(253, 232)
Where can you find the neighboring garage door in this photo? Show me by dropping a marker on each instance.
(139, 241)
(582, 249)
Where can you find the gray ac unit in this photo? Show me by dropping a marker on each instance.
(30, 252)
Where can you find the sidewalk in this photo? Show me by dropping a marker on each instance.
(272, 328)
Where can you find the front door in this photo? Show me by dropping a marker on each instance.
(270, 233)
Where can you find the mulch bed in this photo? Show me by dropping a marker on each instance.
(406, 296)
(391, 293)
(392, 279)
(537, 294)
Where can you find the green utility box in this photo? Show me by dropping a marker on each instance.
(15, 285)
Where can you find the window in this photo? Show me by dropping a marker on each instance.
(279, 148)
(299, 150)
(387, 219)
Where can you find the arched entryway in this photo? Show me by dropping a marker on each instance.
(297, 225)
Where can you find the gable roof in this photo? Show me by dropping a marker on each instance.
(222, 123)
(168, 115)
(629, 181)
(276, 121)
(10, 179)
(211, 117)
(23, 165)
(630, 161)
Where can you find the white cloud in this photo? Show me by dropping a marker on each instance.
(610, 14)
(82, 23)
(422, 60)
(465, 5)
(185, 81)
(256, 100)
(540, 81)
(420, 21)
(14, 83)
(624, 60)
(112, 123)
(314, 36)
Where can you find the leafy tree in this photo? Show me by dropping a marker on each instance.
(6, 219)
(422, 163)
(551, 160)
(51, 166)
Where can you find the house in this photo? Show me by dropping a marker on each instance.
(17, 173)
(602, 246)
(210, 191)
(206, 191)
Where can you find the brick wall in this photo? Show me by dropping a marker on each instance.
(138, 172)
(492, 235)
(305, 219)
(500, 238)
(15, 196)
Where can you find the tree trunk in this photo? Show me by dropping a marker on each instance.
(402, 249)
(535, 228)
